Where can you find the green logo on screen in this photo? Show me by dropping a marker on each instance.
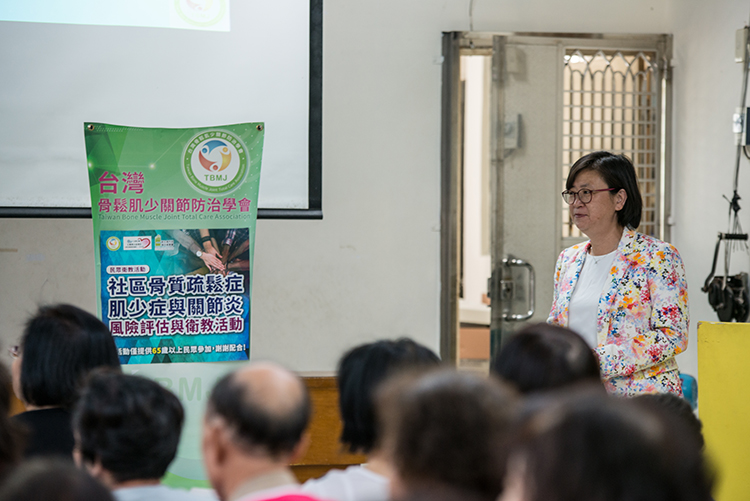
(215, 162)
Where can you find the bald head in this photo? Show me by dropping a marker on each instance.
(275, 388)
(265, 406)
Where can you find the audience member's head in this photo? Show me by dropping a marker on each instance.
(60, 345)
(360, 371)
(127, 428)
(545, 357)
(52, 480)
(11, 434)
(445, 432)
(590, 447)
(255, 423)
(678, 407)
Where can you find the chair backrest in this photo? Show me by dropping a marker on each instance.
(690, 389)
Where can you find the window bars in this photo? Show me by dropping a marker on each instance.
(611, 102)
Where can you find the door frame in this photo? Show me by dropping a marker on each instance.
(457, 43)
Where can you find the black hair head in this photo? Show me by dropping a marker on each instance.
(130, 424)
(447, 430)
(618, 172)
(60, 345)
(678, 407)
(360, 371)
(543, 357)
(589, 446)
(52, 480)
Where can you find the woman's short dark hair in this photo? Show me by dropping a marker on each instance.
(447, 430)
(679, 407)
(60, 345)
(52, 480)
(543, 357)
(589, 447)
(618, 172)
(360, 371)
(128, 423)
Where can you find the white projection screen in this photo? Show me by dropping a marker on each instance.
(156, 63)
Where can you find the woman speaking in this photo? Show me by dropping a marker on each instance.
(623, 291)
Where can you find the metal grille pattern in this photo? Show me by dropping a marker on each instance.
(610, 102)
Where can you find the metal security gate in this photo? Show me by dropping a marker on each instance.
(612, 100)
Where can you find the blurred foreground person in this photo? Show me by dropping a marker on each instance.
(590, 447)
(361, 370)
(445, 434)
(544, 357)
(676, 406)
(127, 429)
(254, 427)
(59, 347)
(11, 433)
(52, 480)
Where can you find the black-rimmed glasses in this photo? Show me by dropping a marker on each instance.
(583, 195)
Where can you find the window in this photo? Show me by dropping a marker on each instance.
(611, 101)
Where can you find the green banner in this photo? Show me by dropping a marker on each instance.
(174, 214)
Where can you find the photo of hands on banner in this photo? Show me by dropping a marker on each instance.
(177, 295)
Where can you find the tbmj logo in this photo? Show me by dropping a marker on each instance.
(113, 243)
(215, 162)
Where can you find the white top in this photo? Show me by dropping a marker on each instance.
(155, 493)
(584, 303)
(356, 483)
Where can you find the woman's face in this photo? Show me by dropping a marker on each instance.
(600, 214)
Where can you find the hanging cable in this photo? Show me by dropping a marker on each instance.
(734, 225)
(728, 295)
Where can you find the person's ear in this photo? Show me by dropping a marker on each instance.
(301, 448)
(215, 450)
(213, 443)
(96, 470)
(620, 198)
(78, 458)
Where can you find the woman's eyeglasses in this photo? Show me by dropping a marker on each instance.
(583, 195)
(14, 351)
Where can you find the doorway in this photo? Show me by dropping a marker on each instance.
(518, 110)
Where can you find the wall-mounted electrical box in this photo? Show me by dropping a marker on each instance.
(512, 133)
(740, 42)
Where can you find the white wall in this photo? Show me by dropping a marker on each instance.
(707, 85)
(376, 255)
(371, 268)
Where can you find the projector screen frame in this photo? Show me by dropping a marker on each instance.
(315, 146)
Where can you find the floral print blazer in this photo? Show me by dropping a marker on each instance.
(642, 322)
